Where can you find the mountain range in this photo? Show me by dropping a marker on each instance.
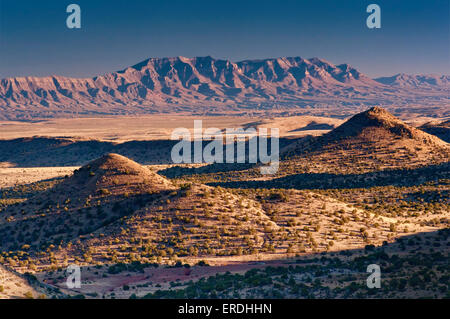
(204, 85)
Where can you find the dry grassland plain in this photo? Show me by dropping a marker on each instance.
(349, 192)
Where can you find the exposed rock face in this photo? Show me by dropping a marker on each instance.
(204, 83)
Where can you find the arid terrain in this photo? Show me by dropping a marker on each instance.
(103, 193)
(13, 285)
(207, 86)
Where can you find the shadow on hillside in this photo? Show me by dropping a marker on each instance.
(407, 267)
(25, 191)
(112, 210)
(314, 126)
(178, 171)
(419, 242)
(396, 177)
(54, 152)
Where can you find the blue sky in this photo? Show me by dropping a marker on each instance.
(34, 40)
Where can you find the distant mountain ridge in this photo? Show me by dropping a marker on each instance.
(418, 81)
(205, 84)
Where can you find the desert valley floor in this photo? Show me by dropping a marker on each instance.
(103, 194)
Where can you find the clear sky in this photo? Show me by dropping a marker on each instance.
(34, 40)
